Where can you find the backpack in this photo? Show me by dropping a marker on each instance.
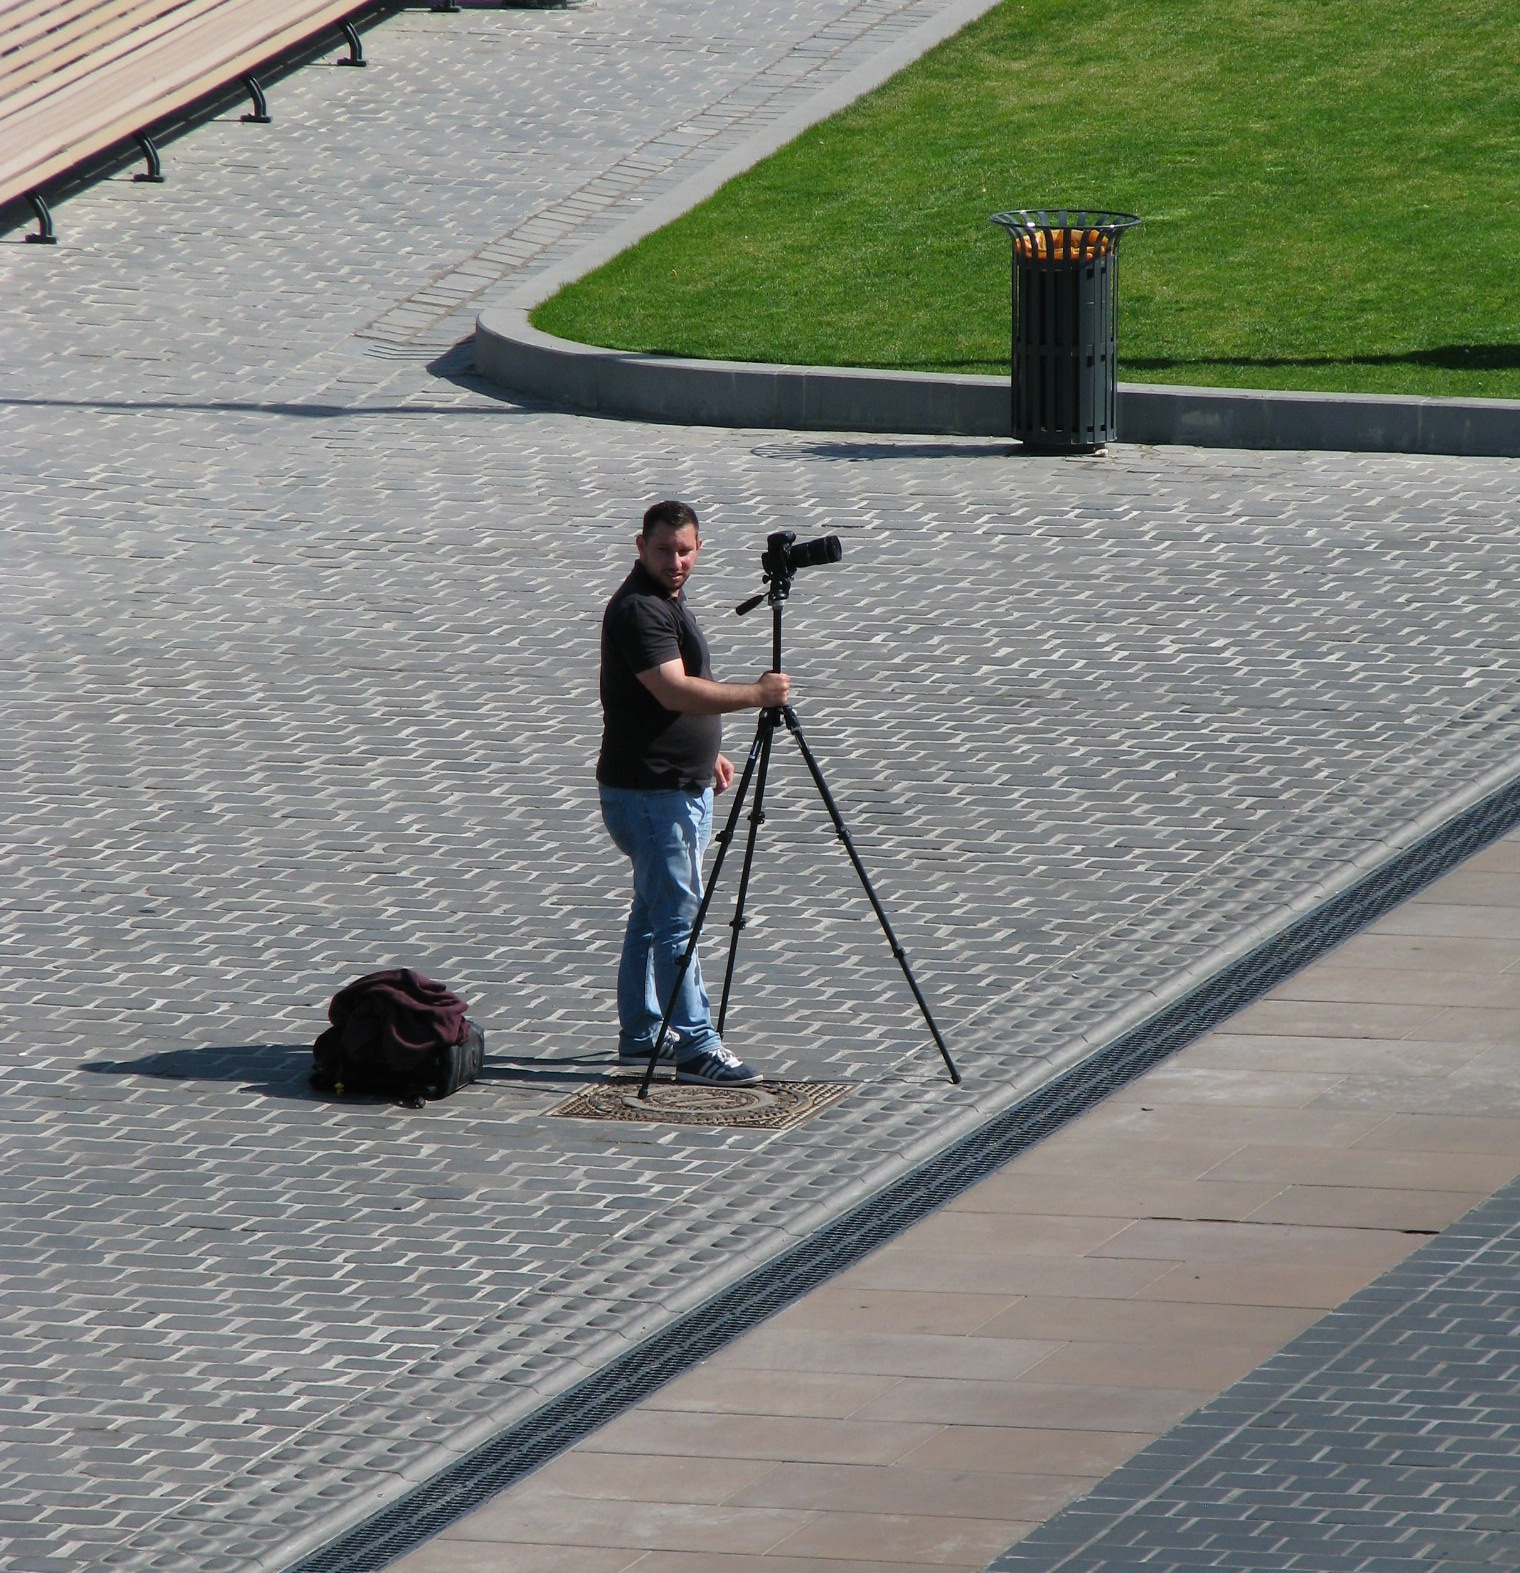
(399, 1034)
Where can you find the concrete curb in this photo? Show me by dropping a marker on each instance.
(1347, 422)
(516, 356)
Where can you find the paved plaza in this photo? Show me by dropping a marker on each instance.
(300, 634)
(1128, 1321)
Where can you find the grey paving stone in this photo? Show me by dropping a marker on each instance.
(300, 641)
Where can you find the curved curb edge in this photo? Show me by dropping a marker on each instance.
(521, 359)
(516, 356)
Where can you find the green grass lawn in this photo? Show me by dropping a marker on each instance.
(1330, 189)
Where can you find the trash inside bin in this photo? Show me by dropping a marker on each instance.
(1065, 311)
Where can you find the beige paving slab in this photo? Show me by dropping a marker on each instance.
(455, 1556)
(1254, 1284)
(734, 1391)
(1238, 1087)
(779, 1346)
(1468, 1133)
(871, 1539)
(1365, 1167)
(931, 1404)
(1466, 1088)
(1208, 1364)
(1381, 1207)
(1472, 886)
(1150, 1324)
(1022, 1275)
(1503, 856)
(1471, 1024)
(976, 1232)
(552, 1518)
(1204, 1240)
(659, 1435)
(707, 1562)
(1348, 983)
(1107, 1196)
(1453, 920)
(1159, 1121)
(1341, 1057)
(1085, 1151)
(896, 1310)
(921, 1492)
(1330, 1018)
(1497, 1060)
(1433, 955)
(669, 1476)
(1059, 1406)
(1019, 1450)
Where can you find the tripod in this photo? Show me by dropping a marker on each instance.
(756, 771)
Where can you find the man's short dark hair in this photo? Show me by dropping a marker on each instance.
(670, 515)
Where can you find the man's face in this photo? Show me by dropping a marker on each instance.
(669, 555)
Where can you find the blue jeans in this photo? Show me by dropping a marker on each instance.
(665, 835)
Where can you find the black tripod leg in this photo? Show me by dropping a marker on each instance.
(724, 838)
(769, 721)
(792, 726)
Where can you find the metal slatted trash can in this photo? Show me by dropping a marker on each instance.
(1065, 310)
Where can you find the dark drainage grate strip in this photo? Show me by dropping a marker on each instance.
(565, 1420)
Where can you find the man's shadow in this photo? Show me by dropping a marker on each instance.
(282, 1070)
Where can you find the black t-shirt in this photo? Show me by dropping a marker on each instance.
(644, 745)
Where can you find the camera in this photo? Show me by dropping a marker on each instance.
(783, 556)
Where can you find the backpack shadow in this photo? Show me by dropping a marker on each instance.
(273, 1070)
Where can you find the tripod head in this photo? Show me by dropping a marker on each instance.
(780, 561)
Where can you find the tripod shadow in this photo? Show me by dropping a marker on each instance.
(555, 1076)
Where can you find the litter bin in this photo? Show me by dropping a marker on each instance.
(1065, 307)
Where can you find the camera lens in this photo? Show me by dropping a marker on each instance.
(810, 554)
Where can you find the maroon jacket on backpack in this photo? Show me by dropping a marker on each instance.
(386, 1027)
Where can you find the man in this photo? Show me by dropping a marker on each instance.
(658, 769)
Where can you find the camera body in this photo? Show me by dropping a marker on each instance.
(783, 556)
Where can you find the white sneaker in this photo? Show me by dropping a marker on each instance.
(716, 1067)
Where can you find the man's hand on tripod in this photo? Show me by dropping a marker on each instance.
(773, 689)
(677, 689)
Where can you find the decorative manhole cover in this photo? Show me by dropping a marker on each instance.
(770, 1106)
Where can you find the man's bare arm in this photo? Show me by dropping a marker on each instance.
(676, 689)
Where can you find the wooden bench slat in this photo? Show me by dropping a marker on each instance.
(17, 16)
(48, 135)
(24, 19)
(59, 54)
(64, 22)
